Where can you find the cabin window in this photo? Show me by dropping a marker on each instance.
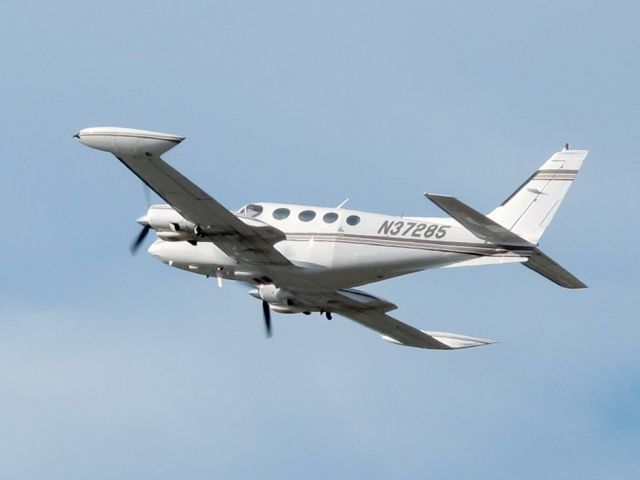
(281, 213)
(353, 220)
(307, 215)
(251, 210)
(330, 217)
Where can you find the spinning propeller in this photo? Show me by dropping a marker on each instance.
(141, 236)
(266, 312)
(145, 225)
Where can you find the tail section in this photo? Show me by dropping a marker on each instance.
(545, 266)
(486, 229)
(529, 210)
(520, 221)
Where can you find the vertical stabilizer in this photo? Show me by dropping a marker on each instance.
(529, 210)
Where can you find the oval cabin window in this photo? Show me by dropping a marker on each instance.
(307, 215)
(353, 220)
(330, 217)
(281, 213)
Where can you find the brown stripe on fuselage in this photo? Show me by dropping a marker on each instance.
(399, 242)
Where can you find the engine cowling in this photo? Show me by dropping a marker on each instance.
(169, 224)
(279, 299)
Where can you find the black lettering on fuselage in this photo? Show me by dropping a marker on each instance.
(385, 227)
(400, 228)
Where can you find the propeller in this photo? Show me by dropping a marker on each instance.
(142, 221)
(141, 236)
(266, 311)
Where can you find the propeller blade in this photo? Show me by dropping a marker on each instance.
(139, 239)
(266, 311)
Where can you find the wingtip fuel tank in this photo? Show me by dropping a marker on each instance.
(127, 141)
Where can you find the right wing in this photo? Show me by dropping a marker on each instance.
(371, 311)
(140, 151)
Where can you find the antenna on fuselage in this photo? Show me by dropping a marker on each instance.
(343, 203)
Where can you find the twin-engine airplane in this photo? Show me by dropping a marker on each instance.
(303, 259)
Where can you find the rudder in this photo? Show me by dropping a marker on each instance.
(528, 211)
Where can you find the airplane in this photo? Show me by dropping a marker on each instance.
(303, 259)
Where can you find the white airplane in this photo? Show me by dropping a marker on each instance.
(303, 259)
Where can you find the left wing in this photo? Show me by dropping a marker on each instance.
(140, 151)
(371, 312)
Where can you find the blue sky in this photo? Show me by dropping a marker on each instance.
(119, 367)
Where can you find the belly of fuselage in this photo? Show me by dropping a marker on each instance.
(331, 264)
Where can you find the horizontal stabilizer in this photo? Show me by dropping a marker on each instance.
(478, 224)
(486, 260)
(542, 264)
(490, 231)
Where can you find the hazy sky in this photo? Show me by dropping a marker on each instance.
(120, 367)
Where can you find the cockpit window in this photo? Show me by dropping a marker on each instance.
(307, 215)
(252, 210)
(353, 220)
(281, 213)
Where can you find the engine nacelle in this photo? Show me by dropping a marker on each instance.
(279, 300)
(169, 224)
(274, 295)
(282, 309)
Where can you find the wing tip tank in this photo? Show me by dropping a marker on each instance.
(455, 341)
(449, 341)
(127, 141)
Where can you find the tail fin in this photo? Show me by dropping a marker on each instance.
(529, 210)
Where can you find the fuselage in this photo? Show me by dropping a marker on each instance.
(340, 248)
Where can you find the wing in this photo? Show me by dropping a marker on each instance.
(371, 312)
(140, 151)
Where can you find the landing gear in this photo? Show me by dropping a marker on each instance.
(326, 314)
